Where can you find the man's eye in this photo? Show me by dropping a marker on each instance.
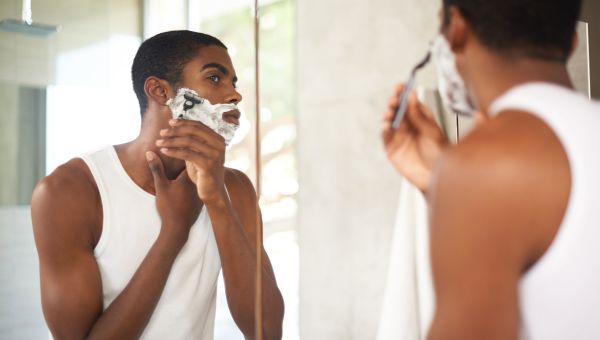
(215, 79)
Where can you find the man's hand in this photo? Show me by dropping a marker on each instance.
(176, 201)
(418, 142)
(234, 222)
(203, 150)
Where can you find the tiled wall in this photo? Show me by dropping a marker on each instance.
(20, 309)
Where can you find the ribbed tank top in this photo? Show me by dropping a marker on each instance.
(560, 295)
(130, 227)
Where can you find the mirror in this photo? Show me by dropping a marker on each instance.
(330, 199)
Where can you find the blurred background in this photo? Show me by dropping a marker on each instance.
(329, 197)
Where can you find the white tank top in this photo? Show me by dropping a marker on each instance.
(131, 225)
(560, 295)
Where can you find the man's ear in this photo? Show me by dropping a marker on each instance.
(158, 90)
(457, 29)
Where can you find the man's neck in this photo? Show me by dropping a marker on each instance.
(133, 154)
(495, 75)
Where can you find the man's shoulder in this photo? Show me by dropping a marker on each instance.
(238, 181)
(515, 156)
(71, 183)
(509, 180)
(65, 204)
(515, 143)
(241, 191)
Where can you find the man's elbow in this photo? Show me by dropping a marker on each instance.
(274, 332)
(272, 325)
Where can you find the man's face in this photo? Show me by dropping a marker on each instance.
(450, 54)
(212, 75)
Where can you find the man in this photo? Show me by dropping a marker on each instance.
(131, 238)
(515, 225)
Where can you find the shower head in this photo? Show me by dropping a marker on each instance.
(26, 25)
(20, 26)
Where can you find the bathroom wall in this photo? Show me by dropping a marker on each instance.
(350, 55)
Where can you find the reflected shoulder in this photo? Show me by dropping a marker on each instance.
(239, 182)
(71, 179)
(242, 194)
(67, 198)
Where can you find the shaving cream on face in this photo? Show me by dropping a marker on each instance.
(187, 104)
(451, 85)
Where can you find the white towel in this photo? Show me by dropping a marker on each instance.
(408, 302)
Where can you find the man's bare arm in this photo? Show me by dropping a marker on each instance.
(497, 203)
(63, 213)
(63, 209)
(234, 222)
(235, 228)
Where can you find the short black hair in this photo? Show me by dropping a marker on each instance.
(164, 56)
(542, 29)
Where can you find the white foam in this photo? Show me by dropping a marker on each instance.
(200, 109)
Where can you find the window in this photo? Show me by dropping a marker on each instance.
(233, 23)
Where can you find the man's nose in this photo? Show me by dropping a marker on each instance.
(234, 97)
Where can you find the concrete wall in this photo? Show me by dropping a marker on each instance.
(349, 54)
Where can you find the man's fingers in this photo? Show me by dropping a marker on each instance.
(401, 133)
(386, 132)
(388, 116)
(194, 129)
(399, 89)
(183, 177)
(426, 111)
(422, 119)
(394, 100)
(393, 103)
(191, 143)
(186, 155)
(157, 169)
(415, 115)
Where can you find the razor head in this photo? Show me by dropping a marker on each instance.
(191, 100)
